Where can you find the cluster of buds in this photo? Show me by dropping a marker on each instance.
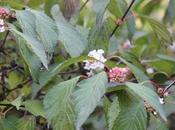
(4, 13)
(97, 62)
(118, 74)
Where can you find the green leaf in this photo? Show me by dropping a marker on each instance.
(148, 95)
(46, 30)
(73, 41)
(59, 107)
(150, 7)
(30, 58)
(88, 96)
(27, 22)
(160, 30)
(114, 8)
(35, 3)
(34, 24)
(17, 102)
(139, 74)
(132, 115)
(35, 107)
(162, 65)
(157, 124)
(131, 26)
(165, 57)
(26, 123)
(33, 44)
(13, 4)
(113, 113)
(100, 8)
(7, 124)
(48, 5)
(170, 14)
(47, 75)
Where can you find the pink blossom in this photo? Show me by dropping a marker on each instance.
(4, 13)
(126, 45)
(118, 74)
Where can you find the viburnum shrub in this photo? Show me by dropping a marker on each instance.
(87, 65)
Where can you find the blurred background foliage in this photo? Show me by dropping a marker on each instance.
(149, 26)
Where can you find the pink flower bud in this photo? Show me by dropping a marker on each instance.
(4, 13)
(160, 91)
(126, 45)
(118, 74)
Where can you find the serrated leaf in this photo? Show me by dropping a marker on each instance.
(31, 60)
(148, 95)
(132, 115)
(139, 74)
(33, 44)
(7, 124)
(27, 22)
(160, 31)
(88, 96)
(170, 14)
(46, 30)
(73, 41)
(113, 113)
(26, 123)
(59, 107)
(17, 102)
(47, 75)
(35, 107)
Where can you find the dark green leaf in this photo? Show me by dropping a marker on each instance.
(59, 107)
(73, 41)
(160, 30)
(26, 123)
(148, 95)
(35, 107)
(132, 115)
(88, 96)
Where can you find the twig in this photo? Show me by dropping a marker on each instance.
(20, 85)
(81, 8)
(4, 113)
(69, 72)
(122, 19)
(169, 86)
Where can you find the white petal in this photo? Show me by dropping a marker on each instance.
(91, 53)
(101, 51)
(1, 22)
(150, 70)
(2, 29)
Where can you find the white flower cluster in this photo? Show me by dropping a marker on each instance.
(97, 63)
(2, 27)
